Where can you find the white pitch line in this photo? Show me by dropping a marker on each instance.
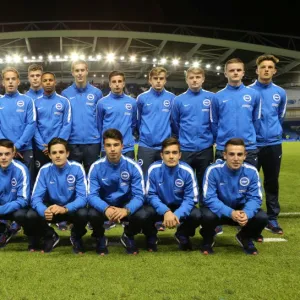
(271, 240)
(289, 214)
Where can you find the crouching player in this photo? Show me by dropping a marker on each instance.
(116, 193)
(172, 192)
(232, 196)
(14, 190)
(59, 194)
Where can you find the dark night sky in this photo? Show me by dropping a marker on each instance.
(248, 15)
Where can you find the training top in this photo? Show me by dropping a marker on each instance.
(172, 186)
(66, 186)
(53, 118)
(119, 112)
(236, 111)
(273, 102)
(154, 117)
(191, 120)
(34, 94)
(17, 120)
(225, 190)
(84, 123)
(120, 185)
(14, 187)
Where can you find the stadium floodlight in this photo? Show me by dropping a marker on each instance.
(145, 75)
(218, 73)
(132, 58)
(33, 57)
(144, 59)
(25, 58)
(82, 56)
(50, 57)
(74, 56)
(98, 57)
(90, 57)
(175, 62)
(1, 60)
(16, 58)
(8, 58)
(94, 75)
(102, 75)
(57, 57)
(110, 57)
(207, 66)
(154, 60)
(122, 58)
(218, 68)
(196, 64)
(66, 56)
(40, 57)
(187, 63)
(163, 61)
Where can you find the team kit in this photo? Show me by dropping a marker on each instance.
(69, 158)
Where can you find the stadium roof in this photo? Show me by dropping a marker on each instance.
(138, 46)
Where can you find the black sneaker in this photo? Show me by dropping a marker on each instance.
(5, 237)
(246, 244)
(274, 227)
(77, 245)
(50, 243)
(207, 247)
(101, 245)
(259, 238)
(151, 243)
(183, 241)
(33, 243)
(129, 244)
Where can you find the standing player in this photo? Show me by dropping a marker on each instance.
(116, 193)
(154, 114)
(35, 72)
(191, 123)
(59, 194)
(236, 112)
(53, 118)
(269, 136)
(119, 111)
(84, 138)
(172, 192)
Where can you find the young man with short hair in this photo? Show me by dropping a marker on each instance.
(14, 190)
(118, 110)
(172, 192)
(35, 72)
(269, 135)
(154, 118)
(192, 125)
(116, 193)
(232, 195)
(59, 194)
(84, 138)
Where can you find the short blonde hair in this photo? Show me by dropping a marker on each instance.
(77, 62)
(10, 69)
(196, 70)
(156, 71)
(234, 61)
(270, 57)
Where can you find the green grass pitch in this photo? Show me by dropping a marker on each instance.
(169, 273)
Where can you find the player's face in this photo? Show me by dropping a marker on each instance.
(117, 84)
(48, 83)
(234, 156)
(195, 81)
(235, 73)
(80, 73)
(59, 155)
(113, 149)
(266, 70)
(158, 81)
(35, 78)
(6, 156)
(11, 82)
(171, 155)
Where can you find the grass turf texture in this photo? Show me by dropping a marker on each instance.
(169, 273)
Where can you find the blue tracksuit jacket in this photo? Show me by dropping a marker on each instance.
(172, 186)
(14, 187)
(84, 123)
(191, 120)
(66, 186)
(224, 189)
(236, 112)
(154, 117)
(53, 118)
(34, 94)
(120, 184)
(273, 102)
